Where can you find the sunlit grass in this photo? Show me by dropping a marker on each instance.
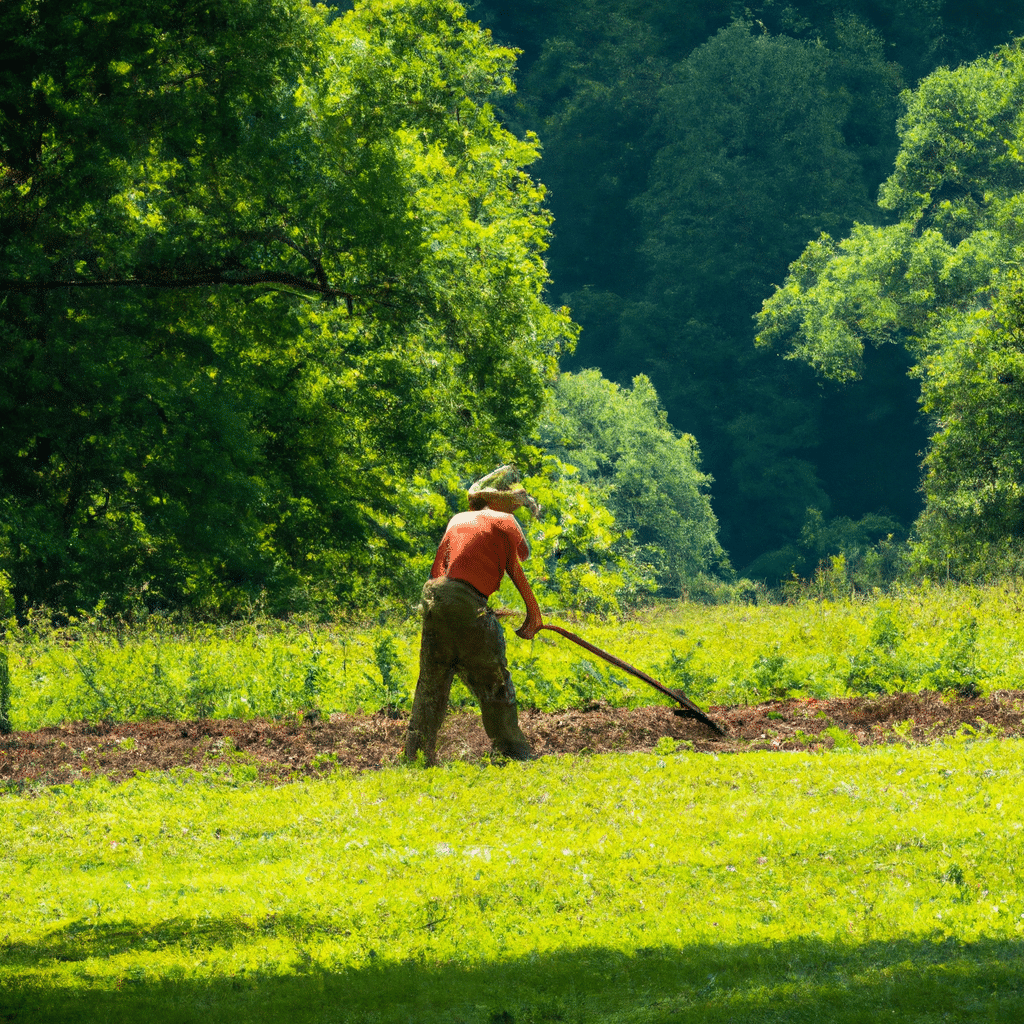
(625, 887)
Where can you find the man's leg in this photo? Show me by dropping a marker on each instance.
(501, 723)
(484, 668)
(437, 669)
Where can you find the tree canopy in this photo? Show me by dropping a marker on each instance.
(647, 474)
(944, 282)
(259, 267)
(689, 157)
(275, 285)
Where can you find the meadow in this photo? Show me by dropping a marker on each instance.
(851, 885)
(847, 886)
(965, 640)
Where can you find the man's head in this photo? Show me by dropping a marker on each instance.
(501, 491)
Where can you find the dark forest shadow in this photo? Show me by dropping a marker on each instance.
(807, 979)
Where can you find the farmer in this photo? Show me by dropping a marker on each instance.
(460, 632)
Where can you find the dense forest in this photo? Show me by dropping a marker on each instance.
(278, 281)
(691, 151)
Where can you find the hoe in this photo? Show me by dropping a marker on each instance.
(688, 708)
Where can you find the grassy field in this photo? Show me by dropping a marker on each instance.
(944, 638)
(849, 886)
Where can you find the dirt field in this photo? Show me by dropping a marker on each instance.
(281, 751)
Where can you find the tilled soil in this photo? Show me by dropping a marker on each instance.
(274, 751)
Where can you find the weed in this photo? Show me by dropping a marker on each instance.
(5, 695)
(385, 656)
(590, 683)
(903, 729)
(841, 739)
(958, 640)
(324, 761)
(886, 634)
(957, 671)
(773, 676)
(681, 672)
(954, 875)
(314, 673)
(200, 693)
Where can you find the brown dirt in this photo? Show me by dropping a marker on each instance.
(282, 751)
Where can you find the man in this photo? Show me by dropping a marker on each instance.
(460, 632)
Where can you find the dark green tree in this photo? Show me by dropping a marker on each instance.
(595, 82)
(944, 283)
(757, 150)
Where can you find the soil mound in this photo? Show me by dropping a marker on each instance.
(275, 751)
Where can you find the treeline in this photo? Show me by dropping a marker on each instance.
(691, 151)
(275, 286)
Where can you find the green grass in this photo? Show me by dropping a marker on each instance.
(963, 639)
(854, 886)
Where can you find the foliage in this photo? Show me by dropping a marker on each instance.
(943, 282)
(646, 473)
(589, 563)
(957, 640)
(385, 656)
(689, 160)
(889, 876)
(259, 267)
(687, 156)
(5, 694)
(756, 147)
(836, 557)
(971, 387)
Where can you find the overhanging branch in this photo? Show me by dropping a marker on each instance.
(268, 278)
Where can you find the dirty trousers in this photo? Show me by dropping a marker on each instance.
(462, 636)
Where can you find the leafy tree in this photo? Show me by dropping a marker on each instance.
(943, 282)
(921, 34)
(756, 151)
(646, 473)
(971, 387)
(592, 71)
(589, 561)
(258, 266)
(683, 187)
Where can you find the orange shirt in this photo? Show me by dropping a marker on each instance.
(479, 548)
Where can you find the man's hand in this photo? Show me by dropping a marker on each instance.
(528, 630)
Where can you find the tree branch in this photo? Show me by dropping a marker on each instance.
(294, 282)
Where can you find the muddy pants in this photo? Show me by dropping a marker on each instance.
(461, 635)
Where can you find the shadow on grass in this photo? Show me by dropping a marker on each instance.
(806, 979)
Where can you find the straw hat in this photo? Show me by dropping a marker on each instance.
(502, 491)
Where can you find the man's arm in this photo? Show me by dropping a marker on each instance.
(533, 620)
(523, 554)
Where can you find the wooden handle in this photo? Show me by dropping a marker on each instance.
(633, 671)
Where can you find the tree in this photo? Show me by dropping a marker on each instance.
(601, 82)
(972, 387)
(943, 282)
(258, 267)
(647, 474)
(756, 150)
